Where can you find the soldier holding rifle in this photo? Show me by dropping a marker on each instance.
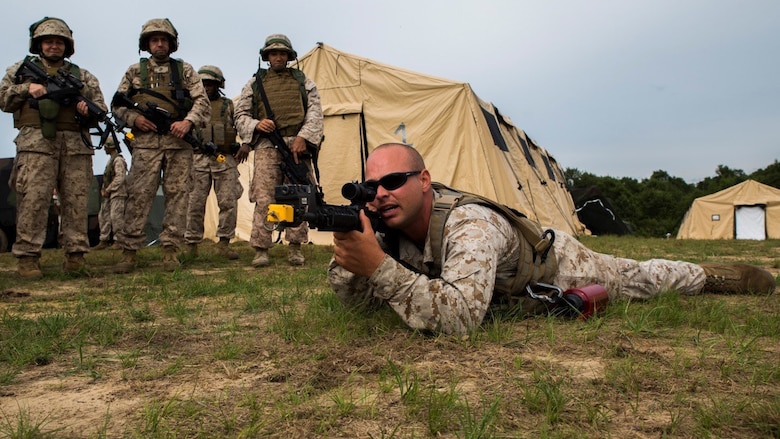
(50, 148)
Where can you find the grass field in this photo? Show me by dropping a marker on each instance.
(219, 349)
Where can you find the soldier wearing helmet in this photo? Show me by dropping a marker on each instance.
(51, 27)
(50, 150)
(114, 196)
(279, 98)
(207, 172)
(173, 85)
(155, 27)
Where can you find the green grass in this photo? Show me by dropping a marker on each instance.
(218, 349)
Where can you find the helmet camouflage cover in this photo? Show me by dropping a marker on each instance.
(47, 27)
(212, 73)
(158, 25)
(277, 42)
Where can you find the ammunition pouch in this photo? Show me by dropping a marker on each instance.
(48, 110)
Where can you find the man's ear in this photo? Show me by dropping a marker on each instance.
(425, 180)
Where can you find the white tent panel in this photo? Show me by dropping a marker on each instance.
(750, 222)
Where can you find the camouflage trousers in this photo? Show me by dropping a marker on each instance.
(34, 178)
(111, 216)
(267, 176)
(227, 190)
(579, 266)
(148, 168)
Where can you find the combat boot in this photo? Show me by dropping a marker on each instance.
(737, 279)
(294, 255)
(192, 250)
(223, 249)
(127, 263)
(169, 261)
(261, 258)
(29, 267)
(74, 263)
(101, 246)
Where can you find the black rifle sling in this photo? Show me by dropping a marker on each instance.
(264, 97)
(179, 93)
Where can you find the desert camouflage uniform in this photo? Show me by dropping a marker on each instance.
(481, 246)
(41, 165)
(224, 176)
(267, 173)
(154, 154)
(112, 210)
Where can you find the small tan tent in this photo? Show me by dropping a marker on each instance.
(749, 210)
(466, 142)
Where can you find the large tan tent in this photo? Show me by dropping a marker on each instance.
(466, 142)
(749, 210)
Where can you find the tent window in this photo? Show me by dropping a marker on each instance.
(550, 172)
(498, 139)
(527, 152)
(716, 217)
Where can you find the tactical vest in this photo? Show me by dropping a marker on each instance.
(163, 87)
(537, 260)
(221, 130)
(50, 116)
(108, 173)
(286, 96)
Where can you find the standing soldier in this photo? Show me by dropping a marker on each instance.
(205, 170)
(173, 85)
(53, 148)
(112, 209)
(294, 102)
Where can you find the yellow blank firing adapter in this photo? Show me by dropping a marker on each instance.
(130, 136)
(278, 213)
(220, 158)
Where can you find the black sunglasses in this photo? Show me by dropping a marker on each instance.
(390, 181)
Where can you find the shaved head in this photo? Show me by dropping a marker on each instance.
(413, 159)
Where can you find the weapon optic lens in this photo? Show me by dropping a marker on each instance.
(358, 193)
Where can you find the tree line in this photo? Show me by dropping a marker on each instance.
(655, 206)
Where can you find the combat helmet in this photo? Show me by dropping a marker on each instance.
(50, 26)
(158, 25)
(277, 42)
(212, 73)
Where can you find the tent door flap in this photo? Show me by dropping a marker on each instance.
(750, 222)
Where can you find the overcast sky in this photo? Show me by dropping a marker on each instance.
(611, 87)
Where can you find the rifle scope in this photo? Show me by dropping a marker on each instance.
(358, 193)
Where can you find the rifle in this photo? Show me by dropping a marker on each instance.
(296, 203)
(301, 200)
(163, 119)
(65, 89)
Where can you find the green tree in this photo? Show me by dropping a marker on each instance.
(724, 177)
(769, 175)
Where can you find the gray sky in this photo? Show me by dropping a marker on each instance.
(611, 87)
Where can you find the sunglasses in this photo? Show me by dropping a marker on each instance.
(390, 181)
